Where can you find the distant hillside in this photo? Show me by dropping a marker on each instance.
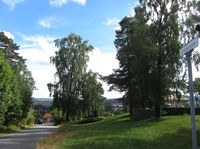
(42, 104)
(42, 99)
(115, 101)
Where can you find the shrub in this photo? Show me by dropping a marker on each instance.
(57, 117)
(178, 111)
(90, 120)
(30, 119)
(107, 114)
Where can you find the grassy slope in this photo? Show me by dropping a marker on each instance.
(120, 133)
(10, 129)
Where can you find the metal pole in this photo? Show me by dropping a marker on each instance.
(192, 106)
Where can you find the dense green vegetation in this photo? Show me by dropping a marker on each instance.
(150, 67)
(77, 93)
(16, 86)
(11, 102)
(196, 83)
(118, 132)
(148, 45)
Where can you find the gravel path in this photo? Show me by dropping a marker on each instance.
(26, 139)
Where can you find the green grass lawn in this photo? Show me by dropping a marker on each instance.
(11, 129)
(2, 134)
(118, 132)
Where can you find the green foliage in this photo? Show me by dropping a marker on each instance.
(135, 54)
(10, 101)
(22, 74)
(165, 34)
(70, 62)
(30, 119)
(92, 95)
(27, 85)
(26, 89)
(148, 52)
(89, 120)
(57, 117)
(188, 19)
(76, 93)
(13, 128)
(197, 85)
(15, 99)
(179, 111)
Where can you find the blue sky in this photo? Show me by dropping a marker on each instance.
(35, 24)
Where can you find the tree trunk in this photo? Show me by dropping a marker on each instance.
(67, 117)
(131, 109)
(156, 111)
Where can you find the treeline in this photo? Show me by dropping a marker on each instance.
(150, 65)
(148, 45)
(76, 93)
(16, 85)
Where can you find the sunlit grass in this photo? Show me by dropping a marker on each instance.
(2, 134)
(13, 128)
(119, 132)
(9, 129)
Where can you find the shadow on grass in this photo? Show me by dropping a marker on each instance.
(117, 124)
(179, 140)
(121, 133)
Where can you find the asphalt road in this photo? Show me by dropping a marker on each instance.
(26, 139)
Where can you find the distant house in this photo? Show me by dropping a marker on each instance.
(173, 102)
(47, 117)
(116, 104)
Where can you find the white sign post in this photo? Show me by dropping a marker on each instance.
(187, 49)
(190, 46)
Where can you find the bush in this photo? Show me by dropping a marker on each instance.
(89, 120)
(13, 128)
(30, 119)
(57, 117)
(118, 112)
(107, 114)
(2, 128)
(178, 111)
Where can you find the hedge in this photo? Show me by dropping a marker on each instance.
(178, 111)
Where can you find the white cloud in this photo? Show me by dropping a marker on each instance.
(9, 35)
(52, 22)
(12, 3)
(113, 23)
(132, 11)
(46, 23)
(104, 63)
(131, 8)
(57, 3)
(37, 50)
(60, 3)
